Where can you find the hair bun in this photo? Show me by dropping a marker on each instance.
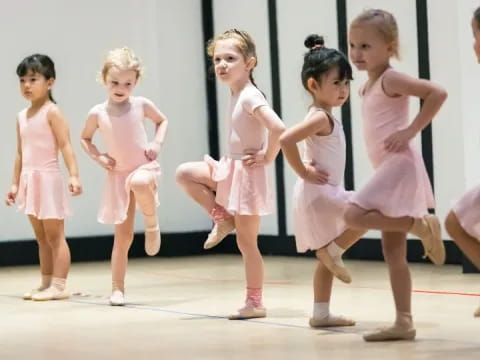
(314, 40)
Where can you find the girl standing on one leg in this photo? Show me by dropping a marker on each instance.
(319, 196)
(397, 198)
(130, 160)
(236, 191)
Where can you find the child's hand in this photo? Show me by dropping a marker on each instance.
(106, 161)
(254, 158)
(152, 150)
(11, 195)
(398, 141)
(314, 175)
(74, 186)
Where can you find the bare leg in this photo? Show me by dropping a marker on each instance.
(45, 255)
(322, 291)
(247, 233)
(469, 245)
(359, 218)
(121, 245)
(143, 185)
(395, 252)
(55, 234)
(196, 179)
(426, 228)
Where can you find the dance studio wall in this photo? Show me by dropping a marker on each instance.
(168, 36)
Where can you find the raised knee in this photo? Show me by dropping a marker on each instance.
(451, 224)
(139, 184)
(181, 174)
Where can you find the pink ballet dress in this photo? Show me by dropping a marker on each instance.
(242, 190)
(467, 212)
(125, 139)
(400, 185)
(318, 209)
(41, 191)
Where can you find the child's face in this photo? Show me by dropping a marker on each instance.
(34, 86)
(120, 83)
(476, 37)
(368, 49)
(230, 65)
(331, 91)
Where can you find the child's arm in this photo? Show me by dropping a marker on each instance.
(60, 130)
(275, 127)
(161, 125)
(433, 96)
(12, 193)
(318, 124)
(91, 126)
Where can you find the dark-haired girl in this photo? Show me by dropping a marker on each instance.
(319, 196)
(37, 185)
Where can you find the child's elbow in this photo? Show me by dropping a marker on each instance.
(279, 129)
(284, 140)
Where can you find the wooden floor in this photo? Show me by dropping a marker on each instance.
(177, 308)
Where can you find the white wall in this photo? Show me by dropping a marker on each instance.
(77, 35)
(168, 36)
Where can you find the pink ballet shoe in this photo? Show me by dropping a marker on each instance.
(428, 230)
(219, 232)
(392, 333)
(335, 266)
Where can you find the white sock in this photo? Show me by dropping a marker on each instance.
(334, 250)
(46, 281)
(58, 283)
(321, 310)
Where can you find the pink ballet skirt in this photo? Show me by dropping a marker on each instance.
(399, 187)
(242, 190)
(116, 194)
(467, 212)
(41, 190)
(318, 214)
(43, 194)
(318, 209)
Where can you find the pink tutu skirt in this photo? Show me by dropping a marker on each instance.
(318, 214)
(399, 187)
(242, 190)
(116, 194)
(43, 194)
(467, 210)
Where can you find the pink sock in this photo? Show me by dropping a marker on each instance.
(254, 296)
(219, 213)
